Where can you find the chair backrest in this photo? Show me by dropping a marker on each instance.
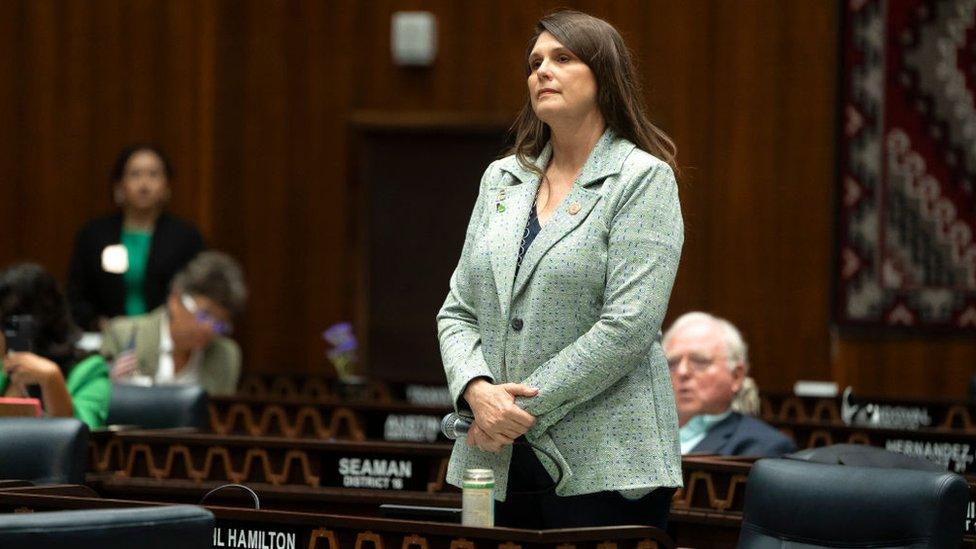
(183, 526)
(799, 504)
(43, 450)
(159, 407)
(861, 455)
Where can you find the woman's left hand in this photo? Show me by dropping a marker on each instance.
(29, 369)
(477, 438)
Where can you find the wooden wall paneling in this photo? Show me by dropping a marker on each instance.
(674, 64)
(286, 71)
(303, 177)
(11, 131)
(265, 185)
(913, 367)
(228, 223)
(808, 46)
(755, 187)
(74, 126)
(109, 105)
(744, 180)
(42, 81)
(327, 271)
(184, 113)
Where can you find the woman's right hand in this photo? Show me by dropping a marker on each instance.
(477, 438)
(495, 411)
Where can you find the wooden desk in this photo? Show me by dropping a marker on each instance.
(172, 468)
(305, 417)
(331, 390)
(952, 448)
(857, 411)
(274, 461)
(325, 531)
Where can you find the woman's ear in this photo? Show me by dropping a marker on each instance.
(118, 195)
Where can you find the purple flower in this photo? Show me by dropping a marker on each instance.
(339, 333)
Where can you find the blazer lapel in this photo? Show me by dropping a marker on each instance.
(574, 209)
(718, 435)
(507, 227)
(605, 159)
(509, 214)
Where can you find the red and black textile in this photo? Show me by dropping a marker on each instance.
(906, 238)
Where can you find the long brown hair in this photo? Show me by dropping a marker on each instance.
(601, 47)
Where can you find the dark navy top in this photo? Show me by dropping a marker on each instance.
(532, 229)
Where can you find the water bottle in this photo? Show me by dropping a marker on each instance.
(478, 498)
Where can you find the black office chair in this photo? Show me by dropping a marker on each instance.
(798, 504)
(159, 407)
(43, 450)
(164, 527)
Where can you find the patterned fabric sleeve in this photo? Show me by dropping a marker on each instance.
(457, 321)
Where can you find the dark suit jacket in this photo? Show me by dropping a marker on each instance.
(739, 435)
(92, 292)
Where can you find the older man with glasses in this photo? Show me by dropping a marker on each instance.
(184, 341)
(707, 360)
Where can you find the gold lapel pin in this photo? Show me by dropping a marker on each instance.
(574, 208)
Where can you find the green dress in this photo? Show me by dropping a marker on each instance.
(90, 388)
(137, 244)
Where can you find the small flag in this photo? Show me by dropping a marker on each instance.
(126, 362)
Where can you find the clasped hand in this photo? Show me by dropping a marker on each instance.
(498, 421)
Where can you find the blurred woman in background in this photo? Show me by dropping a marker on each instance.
(40, 359)
(122, 264)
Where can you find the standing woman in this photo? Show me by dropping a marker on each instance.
(122, 264)
(551, 331)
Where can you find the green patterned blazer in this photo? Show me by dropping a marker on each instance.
(581, 320)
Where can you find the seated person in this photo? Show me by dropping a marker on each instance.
(184, 341)
(707, 359)
(123, 263)
(46, 364)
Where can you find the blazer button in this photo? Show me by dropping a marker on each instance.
(517, 324)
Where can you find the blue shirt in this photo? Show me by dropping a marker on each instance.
(532, 228)
(697, 428)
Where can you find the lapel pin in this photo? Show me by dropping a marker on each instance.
(501, 196)
(574, 208)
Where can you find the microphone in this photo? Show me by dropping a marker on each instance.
(454, 426)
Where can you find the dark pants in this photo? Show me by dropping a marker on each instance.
(547, 510)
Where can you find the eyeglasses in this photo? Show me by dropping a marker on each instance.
(219, 326)
(696, 363)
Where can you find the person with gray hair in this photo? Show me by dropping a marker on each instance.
(708, 361)
(186, 340)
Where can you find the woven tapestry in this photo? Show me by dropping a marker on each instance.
(907, 173)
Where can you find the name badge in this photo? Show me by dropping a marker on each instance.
(115, 259)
